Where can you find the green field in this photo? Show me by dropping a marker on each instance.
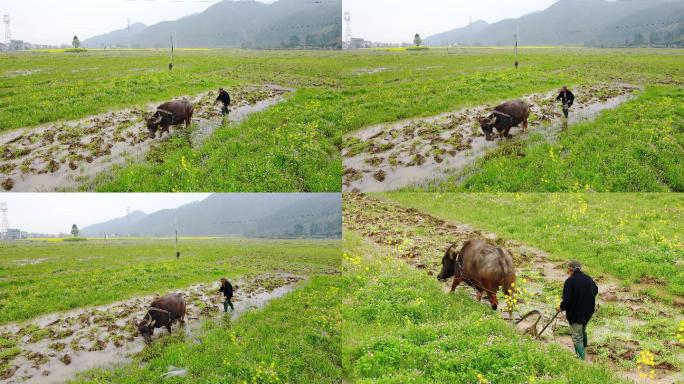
(295, 146)
(633, 148)
(400, 327)
(636, 147)
(40, 277)
(291, 147)
(295, 339)
(630, 243)
(634, 237)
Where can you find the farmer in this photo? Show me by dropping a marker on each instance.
(224, 98)
(227, 290)
(567, 98)
(579, 300)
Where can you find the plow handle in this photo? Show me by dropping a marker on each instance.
(547, 325)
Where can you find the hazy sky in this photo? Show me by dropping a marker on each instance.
(396, 21)
(57, 21)
(56, 212)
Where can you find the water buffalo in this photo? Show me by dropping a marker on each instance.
(168, 114)
(481, 265)
(505, 116)
(163, 312)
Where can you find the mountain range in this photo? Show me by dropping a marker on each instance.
(247, 24)
(251, 215)
(577, 22)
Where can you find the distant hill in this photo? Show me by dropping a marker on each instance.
(118, 225)
(461, 35)
(252, 24)
(253, 215)
(589, 22)
(118, 37)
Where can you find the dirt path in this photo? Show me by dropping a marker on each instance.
(64, 155)
(421, 239)
(390, 156)
(57, 346)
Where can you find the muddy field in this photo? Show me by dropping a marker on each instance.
(390, 156)
(63, 155)
(622, 316)
(55, 347)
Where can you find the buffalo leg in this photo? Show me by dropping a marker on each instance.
(478, 295)
(525, 124)
(187, 123)
(168, 327)
(457, 281)
(506, 132)
(493, 301)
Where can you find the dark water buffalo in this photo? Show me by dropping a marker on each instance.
(505, 116)
(163, 312)
(481, 265)
(168, 114)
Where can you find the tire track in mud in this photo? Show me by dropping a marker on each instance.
(64, 155)
(55, 347)
(393, 155)
(420, 239)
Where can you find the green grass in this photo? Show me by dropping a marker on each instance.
(295, 146)
(71, 275)
(637, 147)
(635, 237)
(295, 339)
(400, 327)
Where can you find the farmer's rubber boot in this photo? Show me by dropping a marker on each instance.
(586, 342)
(225, 306)
(581, 353)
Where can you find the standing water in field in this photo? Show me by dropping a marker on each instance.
(65, 155)
(54, 348)
(408, 152)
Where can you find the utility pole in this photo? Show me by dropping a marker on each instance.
(4, 225)
(8, 31)
(516, 51)
(517, 33)
(177, 251)
(171, 63)
(348, 32)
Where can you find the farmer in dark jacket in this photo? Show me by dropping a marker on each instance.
(227, 290)
(567, 98)
(224, 98)
(579, 300)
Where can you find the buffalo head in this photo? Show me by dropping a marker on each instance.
(146, 328)
(448, 265)
(153, 123)
(487, 125)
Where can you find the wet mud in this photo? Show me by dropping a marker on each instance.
(413, 152)
(421, 239)
(65, 155)
(55, 347)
